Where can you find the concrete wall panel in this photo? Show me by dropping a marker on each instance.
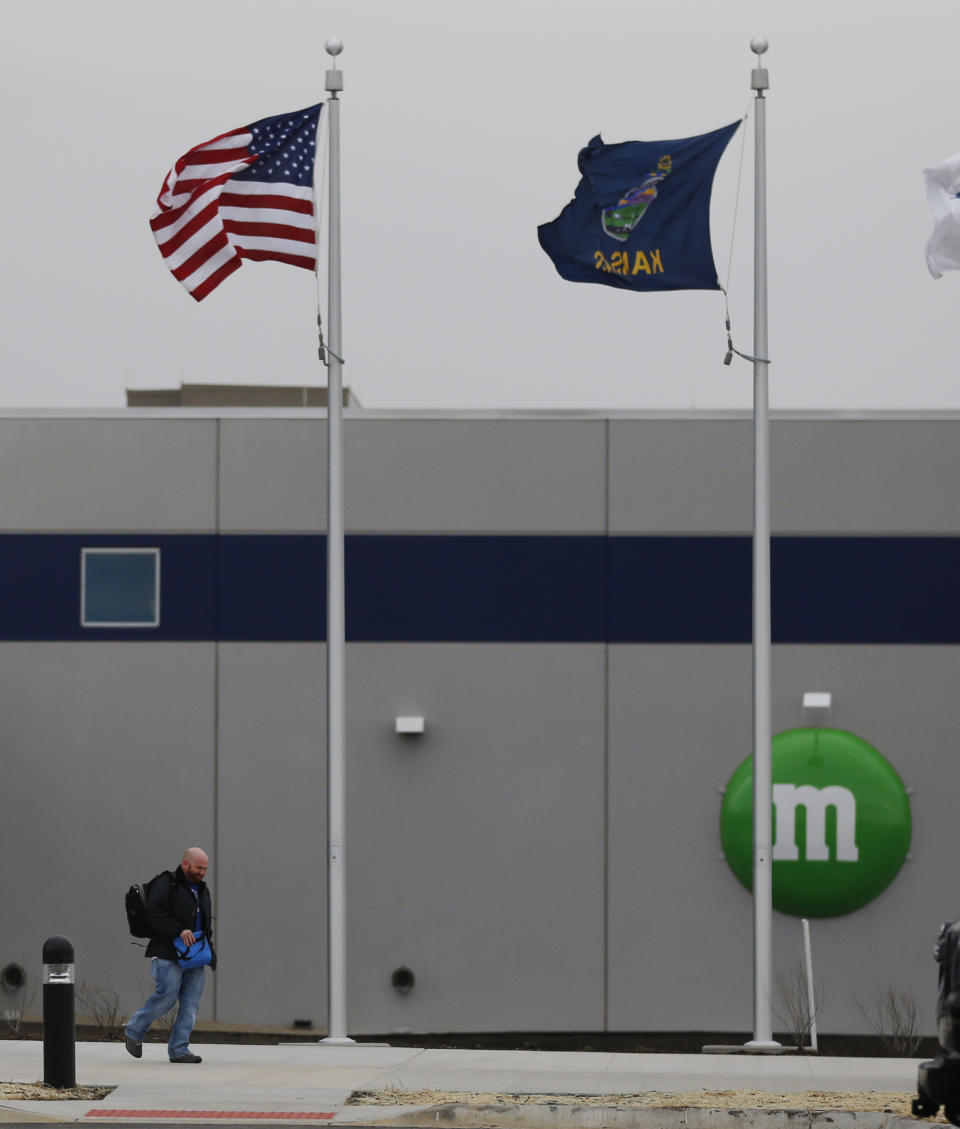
(842, 476)
(108, 775)
(865, 476)
(681, 476)
(273, 475)
(680, 957)
(272, 820)
(474, 853)
(108, 475)
(681, 925)
(477, 476)
(476, 850)
(450, 476)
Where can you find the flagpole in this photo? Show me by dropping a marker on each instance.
(336, 614)
(762, 736)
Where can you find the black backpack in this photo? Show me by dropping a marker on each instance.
(135, 903)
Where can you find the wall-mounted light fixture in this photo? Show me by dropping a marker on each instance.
(13, 978)
(410, 726)
(403, 979)
(817, 705)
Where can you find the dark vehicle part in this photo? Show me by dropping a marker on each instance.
(938, 1081)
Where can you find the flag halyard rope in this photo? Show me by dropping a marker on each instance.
(731, 349)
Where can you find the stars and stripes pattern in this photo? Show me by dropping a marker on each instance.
(247, 194)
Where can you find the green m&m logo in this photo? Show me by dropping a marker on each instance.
(841, 822)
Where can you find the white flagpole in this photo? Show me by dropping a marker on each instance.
(336, 614)
(762, 736)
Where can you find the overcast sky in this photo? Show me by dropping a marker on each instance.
(461, 124)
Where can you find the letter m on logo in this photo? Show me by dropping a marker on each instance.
(815, 801)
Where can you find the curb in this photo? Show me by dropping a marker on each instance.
(21, 1115)
(555, 1116)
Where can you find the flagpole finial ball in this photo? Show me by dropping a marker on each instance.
(758, 45)
(334, 46)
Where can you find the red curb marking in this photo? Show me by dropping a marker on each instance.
(210, 1114)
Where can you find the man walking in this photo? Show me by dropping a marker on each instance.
(178, 908)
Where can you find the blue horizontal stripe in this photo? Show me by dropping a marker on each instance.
(866, 589)
(477, 589)
(40, 586)
(680, 589)
(509, 589)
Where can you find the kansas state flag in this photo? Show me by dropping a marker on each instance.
(640, 218)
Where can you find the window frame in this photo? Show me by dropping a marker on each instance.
(119, 550)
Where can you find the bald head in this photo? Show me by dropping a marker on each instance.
(195, 863)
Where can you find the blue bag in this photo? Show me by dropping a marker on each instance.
(193, 956)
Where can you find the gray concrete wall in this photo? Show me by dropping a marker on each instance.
(678, 918)
(269, 864)
(546, 856)
(416, 476)
(846, 475)
(109, 771)
(123, 474)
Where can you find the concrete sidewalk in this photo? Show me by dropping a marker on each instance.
(312, 1082)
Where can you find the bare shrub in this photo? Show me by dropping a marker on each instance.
(895, 1016)
(13, 1006)
(101, 1004)
(794, 1014)
(11, 1020)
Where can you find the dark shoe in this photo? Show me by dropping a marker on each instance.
(187, 1058)
(133, 1047)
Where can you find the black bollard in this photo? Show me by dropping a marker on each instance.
(59, 1039)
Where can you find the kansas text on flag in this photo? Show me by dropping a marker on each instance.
(640, 218)
(247, 194)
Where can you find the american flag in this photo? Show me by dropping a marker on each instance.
(247, 194)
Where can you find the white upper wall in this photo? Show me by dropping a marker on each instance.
(113, 475)
(236, 470)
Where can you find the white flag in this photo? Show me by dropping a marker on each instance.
(943, 186)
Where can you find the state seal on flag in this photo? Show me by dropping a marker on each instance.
(620, 219)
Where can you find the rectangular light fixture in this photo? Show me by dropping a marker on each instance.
(410, 725)
(817, 700)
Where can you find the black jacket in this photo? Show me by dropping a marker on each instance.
(171, 908)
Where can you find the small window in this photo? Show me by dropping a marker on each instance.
(120, 587)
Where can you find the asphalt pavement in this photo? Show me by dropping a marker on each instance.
(312, 1082)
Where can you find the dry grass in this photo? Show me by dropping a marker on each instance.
(41, 1092)
(858, 1101)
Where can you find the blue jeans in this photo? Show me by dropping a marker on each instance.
(171, 984)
